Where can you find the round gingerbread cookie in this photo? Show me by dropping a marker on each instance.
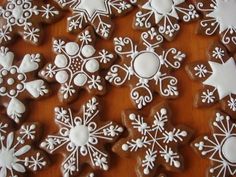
(146, 68)
(164, 15)
(23, 17)
(82, 138)
(219, 146)
(153, 140)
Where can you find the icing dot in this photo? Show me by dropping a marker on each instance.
(13, 71)
(228, 149)
(62, 77)
(92, 66)
(10, 81)
(125, 147)
(72, 48)
(61, 61)
(162, 6)
(2, 89)
(79, 135)
(12, 92)
(20, 77)
(4, 72)
(88, 51)
(132, 116)
(80, 80)
(19, 86)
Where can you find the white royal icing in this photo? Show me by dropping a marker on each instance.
(228, 149)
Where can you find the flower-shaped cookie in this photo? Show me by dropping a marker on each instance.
(218, 77)
(219, 17)
(98, 13)
(164, 15)
(153, 140)
(23, 17)
(219, 146)
(17, 155)
(146, 68)
(77, 65)
(17, 82)
(82, 138)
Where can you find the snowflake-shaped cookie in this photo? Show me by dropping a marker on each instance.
(23, 17)
(164, 15)
(17, 155)
(95, 12)
(219, 147)
(77, 65)
(153, 140)
(219, 17)
(146, 67)
(218, 77)
(82, 138)
(17, 82)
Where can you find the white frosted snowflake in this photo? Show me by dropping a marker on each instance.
(96, 13)
(219, 147)
(81, 137)
(18, 15)
(17, 83)
(77, 65)
(146, 67)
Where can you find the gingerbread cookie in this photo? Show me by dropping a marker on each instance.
(146, 68)
(17, 154)
(218, 77)
(82, 138)
(153, 140)
(98, 13)
(219, 17)
(219, 146)
(77, 65)
(23, 17)
(163, 15)
(18, 83)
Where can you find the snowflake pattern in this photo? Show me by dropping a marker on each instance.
(217, 76)
(19, 16)
(77, 65)
(219, 18)
(18, 83)
(16, 152)
(154, 140)
(97, 13)
(219, 147)
(82, 137)
(165, 15)
(147, 67)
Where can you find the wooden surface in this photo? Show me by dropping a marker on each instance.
(117, 99)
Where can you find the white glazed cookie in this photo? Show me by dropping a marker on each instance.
(164, 15)
(219, 17)
(219, 146)
(98, 13)
(18, 83)
(146, 68)
(77, 65)
(23, 17)
(82, 138)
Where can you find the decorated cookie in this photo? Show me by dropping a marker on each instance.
(17, 154)
(163, 15)
(219, 17)
(146, 68)
(219, 146)
(18, 82)
(23, 17)
(153, 140)
(98, 13)
(77, 65)
(82, 138)
(218, 77)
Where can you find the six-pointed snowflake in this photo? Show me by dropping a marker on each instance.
(81, 137)
(146, 67)
(94, 12)
(165, 14)
(17, 17)
(17, 82)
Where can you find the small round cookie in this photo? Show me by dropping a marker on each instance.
(82, 138)
(219, 146)
(23, 17)
(18, 82)
(164, 15)
(77, 65)
(97, 13)
(218, 77)
(146, 68)
(153, 140)
(219, 18)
